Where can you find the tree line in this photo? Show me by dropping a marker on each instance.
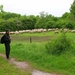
(14, 21)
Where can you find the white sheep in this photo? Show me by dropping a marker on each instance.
(56, 32)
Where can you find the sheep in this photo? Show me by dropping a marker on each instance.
(73, 31)
(51, 29)
(21, 31)
(44, 30)
(12, 32)
(56, 32)
(1, 33)
(16, 32)
(65, 30)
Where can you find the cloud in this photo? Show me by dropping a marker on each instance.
(55, 7)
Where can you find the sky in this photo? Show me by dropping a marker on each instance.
(34, 7)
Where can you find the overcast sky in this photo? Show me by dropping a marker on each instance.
(33, 7)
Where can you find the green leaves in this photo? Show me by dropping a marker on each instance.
(60, 45)
(72, 9)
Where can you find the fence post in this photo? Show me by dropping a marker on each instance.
(30, 40)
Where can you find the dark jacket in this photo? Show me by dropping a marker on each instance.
(7, 39)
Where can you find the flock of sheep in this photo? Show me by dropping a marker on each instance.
(39, 31)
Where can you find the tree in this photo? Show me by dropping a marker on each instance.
(43, 14)
(72, 9)
(66, 15)
(69, 24)
(49, 24)
(1, 8)
(8, 15)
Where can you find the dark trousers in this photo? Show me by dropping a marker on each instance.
(7, 48)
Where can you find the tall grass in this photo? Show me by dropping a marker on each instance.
(37, 55)
(60, 45)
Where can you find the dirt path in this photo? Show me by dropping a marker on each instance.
(25, 66)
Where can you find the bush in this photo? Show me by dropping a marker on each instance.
(60, 45)
(70, 24)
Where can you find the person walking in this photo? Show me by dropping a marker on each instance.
(6, 42)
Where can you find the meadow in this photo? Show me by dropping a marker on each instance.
(36, 55)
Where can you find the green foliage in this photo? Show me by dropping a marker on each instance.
(1, 8)
(59, 46)
(70, 25)
(14, 21)
(46, 21)
(72, 9)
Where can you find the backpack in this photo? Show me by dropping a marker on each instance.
(2, 40)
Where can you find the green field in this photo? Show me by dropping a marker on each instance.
(36, 54)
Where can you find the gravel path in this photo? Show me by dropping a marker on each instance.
(25, 66)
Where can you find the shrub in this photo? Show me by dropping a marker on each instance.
(60, 45)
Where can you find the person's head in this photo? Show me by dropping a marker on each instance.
(8, 31)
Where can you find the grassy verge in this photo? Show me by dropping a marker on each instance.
(9, 69)
(36, 54)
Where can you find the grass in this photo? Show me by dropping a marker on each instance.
(36, 37)
(36, 54)
(9, 69)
